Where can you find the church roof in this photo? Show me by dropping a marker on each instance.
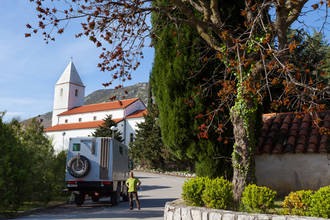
(80, 125)
(120, 104)
(138, 114)
(70, 75)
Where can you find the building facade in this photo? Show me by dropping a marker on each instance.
(71, 118)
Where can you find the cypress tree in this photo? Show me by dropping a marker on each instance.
(148, 149)
(178, 52)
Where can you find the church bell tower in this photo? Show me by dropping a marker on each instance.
(69, 92)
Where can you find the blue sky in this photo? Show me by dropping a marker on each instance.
(30, 68)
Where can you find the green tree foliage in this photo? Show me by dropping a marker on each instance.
(14, 168)
(29, 169)
(176, 75)
(148, 149)
(105, 131)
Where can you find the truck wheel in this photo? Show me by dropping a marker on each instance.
(79, 199)
(78, 166)
(114, 198)
(125, 193)
(125, 197)
(95, 198)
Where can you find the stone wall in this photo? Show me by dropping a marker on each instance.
(177, 210)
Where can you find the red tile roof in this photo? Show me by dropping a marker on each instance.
(81, 125)
(120, 104)
(138, 114)
(293, 133)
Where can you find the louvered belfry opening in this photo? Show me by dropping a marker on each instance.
(104, 161)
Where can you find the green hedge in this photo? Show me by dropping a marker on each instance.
(192, 190)
(298, 203)
(218, 194)
(320, 204)
(257, 198)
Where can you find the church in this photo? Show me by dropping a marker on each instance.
(71, 118)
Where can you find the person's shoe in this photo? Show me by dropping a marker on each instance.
(130, 208)
(139, 208)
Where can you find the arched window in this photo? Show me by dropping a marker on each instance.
(76, 92)
(61, 92)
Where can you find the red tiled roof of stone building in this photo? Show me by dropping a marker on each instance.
(293, 133)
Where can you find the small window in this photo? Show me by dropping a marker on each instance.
(80, 119)
(131, 138)
(94, 118)
(66, 121)
(61, 92)
(76, 147)
(76, 92)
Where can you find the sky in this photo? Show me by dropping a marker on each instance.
(30, 68)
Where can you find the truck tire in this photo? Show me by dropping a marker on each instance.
(78, 166)
(95, 198)
(115, 195)
(79, 199)
(125, 193)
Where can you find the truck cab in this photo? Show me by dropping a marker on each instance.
(98, 167)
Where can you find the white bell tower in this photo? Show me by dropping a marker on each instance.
(69, 92)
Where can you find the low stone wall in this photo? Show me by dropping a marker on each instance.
(177, 210)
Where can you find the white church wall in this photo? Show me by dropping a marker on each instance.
(138, 105)
(89, 116)
(61, 142)
(131, 127)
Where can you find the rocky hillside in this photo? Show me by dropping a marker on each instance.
(139, 90)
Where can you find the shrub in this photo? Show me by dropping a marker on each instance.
(256, 198)
(192, 190)
(218, 194)
(320, 205)
(298, 203)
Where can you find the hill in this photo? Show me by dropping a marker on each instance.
(139, 90)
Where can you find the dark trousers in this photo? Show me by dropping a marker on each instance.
(130, 195)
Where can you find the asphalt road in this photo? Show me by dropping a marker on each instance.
(156, 191)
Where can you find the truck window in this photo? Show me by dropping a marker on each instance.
(76, 147)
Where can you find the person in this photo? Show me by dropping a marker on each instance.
(132, 184)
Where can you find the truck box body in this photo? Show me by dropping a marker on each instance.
(108, 159)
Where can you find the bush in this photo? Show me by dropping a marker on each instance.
(298, 203)
(256, 198)
(192, 190)
(320, 205)
(218, 194)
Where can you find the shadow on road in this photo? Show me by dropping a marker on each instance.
(148, 187)
(102, 210)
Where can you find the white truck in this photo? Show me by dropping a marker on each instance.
(97, 167)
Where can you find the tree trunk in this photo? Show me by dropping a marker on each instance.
(243, 117)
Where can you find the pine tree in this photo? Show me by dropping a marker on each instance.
(104, 130)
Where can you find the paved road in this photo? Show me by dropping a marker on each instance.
(156, 191)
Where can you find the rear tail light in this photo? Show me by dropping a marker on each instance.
(72, 182)
(106, 182)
